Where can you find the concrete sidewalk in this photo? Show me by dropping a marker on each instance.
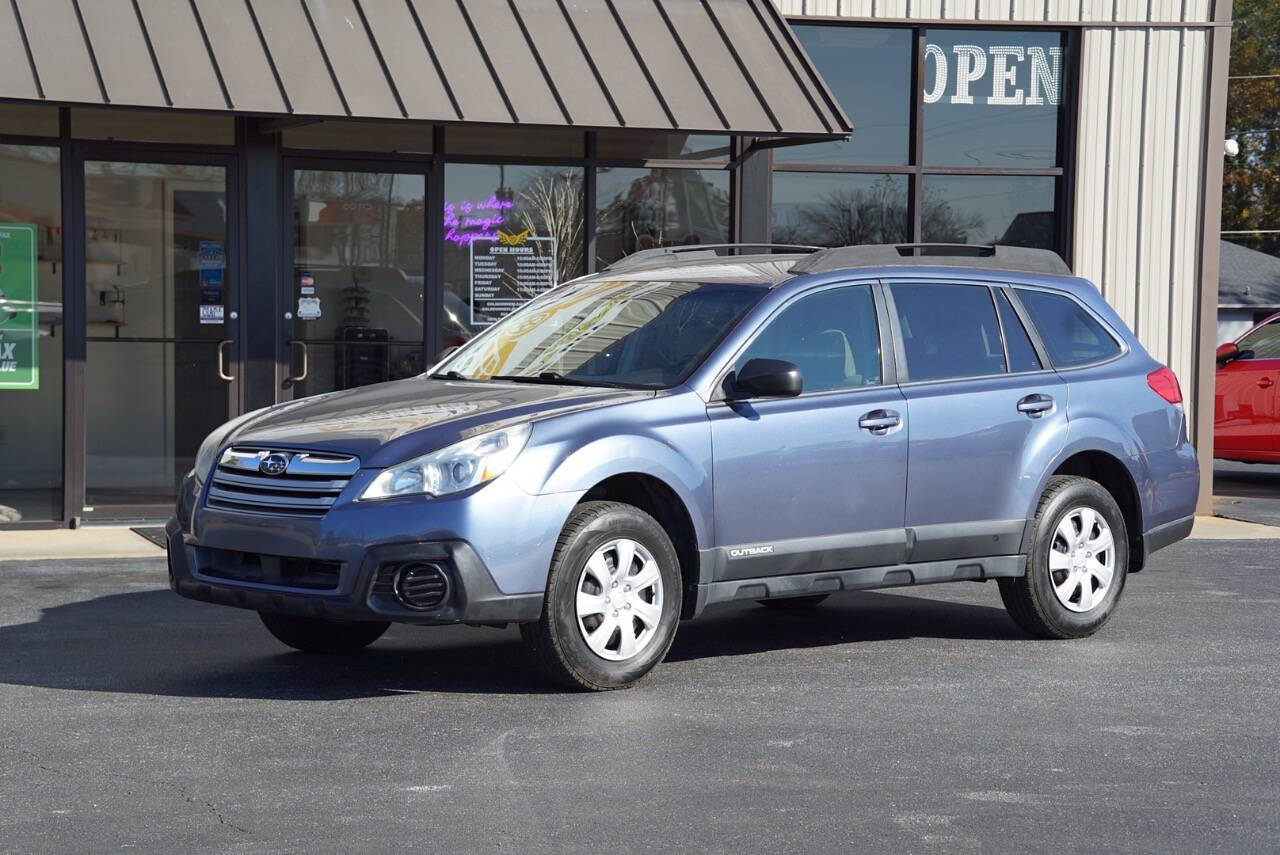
(68, 543)
(121, 542)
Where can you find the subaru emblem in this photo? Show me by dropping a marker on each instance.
(273, 464)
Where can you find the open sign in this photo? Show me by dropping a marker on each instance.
(1014, 75)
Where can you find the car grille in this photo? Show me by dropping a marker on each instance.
(307, 484)
(309, 573)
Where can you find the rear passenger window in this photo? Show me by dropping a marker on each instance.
(831, 336)
(948, 331)
(1022, 356)
(1070, 334)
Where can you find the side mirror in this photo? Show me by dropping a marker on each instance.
(1227, 352)
(767, 378)
(446, 353)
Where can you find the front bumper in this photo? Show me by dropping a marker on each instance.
(472, 596)
(494, 547)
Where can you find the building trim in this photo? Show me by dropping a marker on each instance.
(1210, 225)
(1007, 24)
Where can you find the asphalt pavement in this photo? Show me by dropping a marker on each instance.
(916, 720)
(1247, 491)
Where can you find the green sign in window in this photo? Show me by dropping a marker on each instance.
(19, 308)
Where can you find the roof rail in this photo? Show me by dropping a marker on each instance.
(981, 256)
(702, 250)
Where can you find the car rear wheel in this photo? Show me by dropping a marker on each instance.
(613, 599)
(1078, 563)
(320, 635)
(792, 604)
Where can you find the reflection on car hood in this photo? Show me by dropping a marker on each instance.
(390, 422)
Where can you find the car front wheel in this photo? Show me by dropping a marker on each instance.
(612, 602)
(1078, 563)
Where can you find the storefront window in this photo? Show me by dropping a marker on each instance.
(515, 142)
(31, 334)
(28, 120)
(646, 145)
(510, 233)
(839, 209)
(400, 137)
(869, 71)
(155, 126)
(156, 288)
(1011, 210)
(358, 277)
(989, 109)
(643, 208)
(992, 98)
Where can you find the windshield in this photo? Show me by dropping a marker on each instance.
(649, 335)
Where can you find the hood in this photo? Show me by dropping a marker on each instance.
(390, 422)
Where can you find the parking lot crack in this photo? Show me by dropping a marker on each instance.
(37, 762)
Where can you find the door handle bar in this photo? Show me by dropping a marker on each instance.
(1034, 405)
(302, 375)
(222, 351)
(879, 421)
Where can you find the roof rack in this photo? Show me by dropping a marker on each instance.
(989, 256)
(702, 250)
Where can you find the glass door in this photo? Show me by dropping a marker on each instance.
(354, 308)
(161, 322)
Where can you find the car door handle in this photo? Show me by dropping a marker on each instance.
(1265, 382)
(1035, 405)
(879, 421)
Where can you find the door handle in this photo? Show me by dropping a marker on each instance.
(222, 352)
(1035, 405)
(1265, 382)
(302, 375)
(879, 422)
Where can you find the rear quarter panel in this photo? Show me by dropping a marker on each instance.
(1112, 409)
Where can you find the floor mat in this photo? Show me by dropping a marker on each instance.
(155, 534)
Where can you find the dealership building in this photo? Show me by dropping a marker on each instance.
(209, 206)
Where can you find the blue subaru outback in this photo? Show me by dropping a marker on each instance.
(686, 428)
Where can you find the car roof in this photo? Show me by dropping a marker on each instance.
(763, 270)
(704, 264)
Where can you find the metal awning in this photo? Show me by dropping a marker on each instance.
(713, 66)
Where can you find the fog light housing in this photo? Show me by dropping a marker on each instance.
(421, 585)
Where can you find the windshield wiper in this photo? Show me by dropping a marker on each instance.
(453, 375)
(554, 378)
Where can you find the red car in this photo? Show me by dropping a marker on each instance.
(1246, 415)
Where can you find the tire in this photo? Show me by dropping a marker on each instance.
(1050, 601)
(591, 548)
(320, 635)
(793, 604)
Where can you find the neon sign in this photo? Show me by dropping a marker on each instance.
(469, 221)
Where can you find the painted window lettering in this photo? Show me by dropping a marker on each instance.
(1019, 76)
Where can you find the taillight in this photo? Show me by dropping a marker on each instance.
(1165, 384)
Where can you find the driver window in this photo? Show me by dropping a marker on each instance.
(1262, 343)
(832, 336)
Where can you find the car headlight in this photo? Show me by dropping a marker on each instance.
(458, 467)
(205, 457)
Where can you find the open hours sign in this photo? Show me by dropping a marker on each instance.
(508, 272)
(19, 308)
